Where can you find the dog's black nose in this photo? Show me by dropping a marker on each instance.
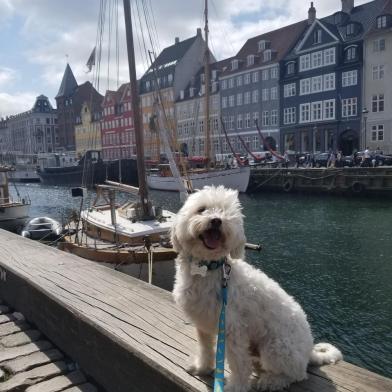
(216, 223)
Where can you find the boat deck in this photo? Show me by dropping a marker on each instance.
(127, 335)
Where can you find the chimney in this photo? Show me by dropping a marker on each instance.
(311, 14)
(198, 32)
(347, 6)
(176, 40)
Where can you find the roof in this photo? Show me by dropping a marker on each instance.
(364, 14)
(68, 84)
(281, 41)
(387, 10)
(166, 61)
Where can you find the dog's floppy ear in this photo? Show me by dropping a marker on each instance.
(174, 238)
(238, 252)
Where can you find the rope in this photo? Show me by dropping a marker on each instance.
(240, 163)
(266, 143)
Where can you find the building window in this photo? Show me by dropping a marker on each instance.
(329, 109)
(378, 133)
(234, 64)
(224, 102)
(349, 107)
(240, 123)
(250, 60)
(351, 53)
(317, 37)
(239, 99)
(274, 117)
(231, 82)
(349, 78)
(329, 56)
(265, 74)
(289, 115)
(329, 82)
(255, 118)
(169, 78)
(239, 81)
(255, 77)
(274, 93)
(305, 86)
(317, 111)
(262, 45)
(379, 45)
(290, 68)
(378, 103)
(224, 84)
(289, 90)
(247, 78)
(264, 94)
(304, 110)
(317, 84)
(265, 119)
(255, 143)
(350, 29)
(267, 55)
(378, 72)
(274, 73)
(247, 120)
(255, 96)
(304, 62)
(247, 98)
(317, 59)
(382, 22)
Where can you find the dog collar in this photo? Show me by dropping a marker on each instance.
(213, 264)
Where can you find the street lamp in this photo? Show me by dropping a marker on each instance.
(364, 116)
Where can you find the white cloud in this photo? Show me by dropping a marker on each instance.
(6, 11)
(16, 103)
(7, 76)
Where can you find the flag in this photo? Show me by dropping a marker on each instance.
(91, 60)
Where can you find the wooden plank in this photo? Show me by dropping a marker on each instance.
(59, 383)
(20, 338)
(15, 352)
(119, 328)
(22, 380)
(29, 361)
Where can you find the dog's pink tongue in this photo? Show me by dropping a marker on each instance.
(212, 238)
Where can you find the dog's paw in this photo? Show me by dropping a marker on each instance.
(197, 370)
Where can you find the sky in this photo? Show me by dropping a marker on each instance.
(38, 38)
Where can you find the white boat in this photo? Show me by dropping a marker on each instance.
(13, 212)
(42, 228)
(235, 178)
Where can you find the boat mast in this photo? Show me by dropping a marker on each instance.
(207, 88)
(141, 172)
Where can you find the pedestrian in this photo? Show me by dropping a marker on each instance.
(286, 159)
(339, 157)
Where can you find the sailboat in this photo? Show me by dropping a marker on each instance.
(13, 213)
(131, 232)
(211, 174)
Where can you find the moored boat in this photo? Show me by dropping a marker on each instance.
(42, 228)
(13, 211)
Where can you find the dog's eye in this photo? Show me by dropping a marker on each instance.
(201, 210)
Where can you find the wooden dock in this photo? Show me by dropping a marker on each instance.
(347, 180)
(124, 334)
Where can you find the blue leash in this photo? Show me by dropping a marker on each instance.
(220, 345)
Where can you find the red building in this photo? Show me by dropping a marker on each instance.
(118, 133)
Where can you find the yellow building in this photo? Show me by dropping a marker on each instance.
(88, 130)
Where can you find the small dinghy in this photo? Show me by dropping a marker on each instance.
(42, 228)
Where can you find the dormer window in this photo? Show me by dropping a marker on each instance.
(202, 78)
(350, 29)
(147, 85)
(263, 45)
(267, 55)
(317, 36)
(250, 60)
(351, 53)
(290, 68)
(234, 64)
(382, 22)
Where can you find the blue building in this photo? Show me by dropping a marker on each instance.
(321, 81)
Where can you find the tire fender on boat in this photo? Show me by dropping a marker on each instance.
(288, 185)
(357, 187)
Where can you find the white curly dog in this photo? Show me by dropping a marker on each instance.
(266, 329)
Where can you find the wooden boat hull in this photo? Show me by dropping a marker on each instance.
(236, 178)
(116, 256)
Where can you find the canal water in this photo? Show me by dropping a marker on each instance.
(334, 255)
